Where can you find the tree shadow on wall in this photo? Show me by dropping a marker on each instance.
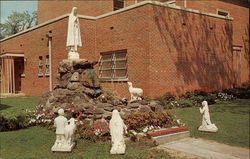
(203, 46)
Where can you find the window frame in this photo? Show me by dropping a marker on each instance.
(47, 71)
(117, 8)
(40, 66)
(113, 60)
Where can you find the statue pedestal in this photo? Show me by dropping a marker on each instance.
(208, 128)
(63, 148)
(73, 56)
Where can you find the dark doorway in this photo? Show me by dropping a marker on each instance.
(19, 69)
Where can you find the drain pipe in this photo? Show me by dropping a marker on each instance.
(185, 3)
(49, 36)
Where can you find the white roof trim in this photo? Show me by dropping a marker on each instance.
(122, 10)
(12, 55)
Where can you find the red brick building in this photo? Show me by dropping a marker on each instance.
(160, 46)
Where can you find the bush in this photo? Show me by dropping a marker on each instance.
(139, 120)
(242, 93)
(14, 122)
(183, 103)
(93, 132)
(198, 96)
(225, 96)
(166, 100)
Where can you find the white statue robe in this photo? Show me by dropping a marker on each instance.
(117, 129)
(206, 122)
(74, 35)
(206, 116)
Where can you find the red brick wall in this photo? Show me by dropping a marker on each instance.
(167, 49)
(239, 10)
(48, 10)
(188, 51)
(130, 31)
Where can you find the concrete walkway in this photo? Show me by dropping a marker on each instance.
(200, 148)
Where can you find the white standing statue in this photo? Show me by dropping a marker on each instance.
(117, 129)
(64, 133)
(135, 93)
(206, 122)
(74, 35)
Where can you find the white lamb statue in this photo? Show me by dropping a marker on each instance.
(136, 93)
(69, 131)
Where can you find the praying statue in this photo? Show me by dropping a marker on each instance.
(74, 35)
(206, 122)
(64, 133)
(117, 129)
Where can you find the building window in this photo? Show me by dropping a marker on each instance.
(113, 66)
(47, 66)
(222, 13)
(40, 73)
(118, 4)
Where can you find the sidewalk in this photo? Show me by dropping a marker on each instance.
(200, 148)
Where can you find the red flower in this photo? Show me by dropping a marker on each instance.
(91, 132)
(78, 122)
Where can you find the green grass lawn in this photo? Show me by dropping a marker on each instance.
(16, 106)
(231, 118)
(36, 142)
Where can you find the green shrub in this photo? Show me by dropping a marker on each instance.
(242, 93)
(210, 98)
(200, 93)
(166, 100)
(14, 122)
(198, 96)
(197, 99)
(183, 103)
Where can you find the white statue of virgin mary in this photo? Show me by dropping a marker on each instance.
(117, 129)
(74, 35)
(206, 122)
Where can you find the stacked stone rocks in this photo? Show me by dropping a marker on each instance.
(78, 87)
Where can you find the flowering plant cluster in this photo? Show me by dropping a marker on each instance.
(93, 132)
(225, 96)
(149, 120)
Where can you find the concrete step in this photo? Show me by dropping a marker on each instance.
(166, 138)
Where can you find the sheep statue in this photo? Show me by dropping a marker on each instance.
(69, 132)
(136, 93)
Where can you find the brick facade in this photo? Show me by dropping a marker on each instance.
(169, 50)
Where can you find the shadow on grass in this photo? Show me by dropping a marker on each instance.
(3, 106)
